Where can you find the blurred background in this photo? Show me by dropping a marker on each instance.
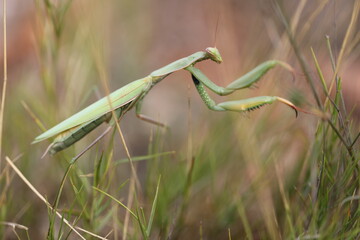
(258, 175)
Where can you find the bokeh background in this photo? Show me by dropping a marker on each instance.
(223, 175)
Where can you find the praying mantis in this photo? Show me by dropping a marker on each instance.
(131, 95)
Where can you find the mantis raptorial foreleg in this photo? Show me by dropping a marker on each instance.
(245, 81)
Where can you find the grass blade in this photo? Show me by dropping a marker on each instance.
(153, 209)
(120, 203)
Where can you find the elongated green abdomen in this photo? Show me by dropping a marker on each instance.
(118, 99)
(73, 135)
(67, 139)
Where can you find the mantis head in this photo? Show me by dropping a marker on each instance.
(214, 54)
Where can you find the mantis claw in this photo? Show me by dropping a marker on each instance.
(290, 104)
(296, 109)
(255, 103)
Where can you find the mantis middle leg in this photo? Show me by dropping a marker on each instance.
(144, 117)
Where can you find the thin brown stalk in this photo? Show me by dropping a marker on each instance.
(33, 116)
(104, 80)
(190, 131)
(3, 96)
(349, 31)
(129, 203)
(134, 180)
(310, 20)
(304, 67)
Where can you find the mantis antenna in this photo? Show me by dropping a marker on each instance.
(216, 29)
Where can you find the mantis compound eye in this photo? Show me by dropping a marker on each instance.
(214, 54)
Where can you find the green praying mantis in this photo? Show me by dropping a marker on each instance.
(131, 95)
